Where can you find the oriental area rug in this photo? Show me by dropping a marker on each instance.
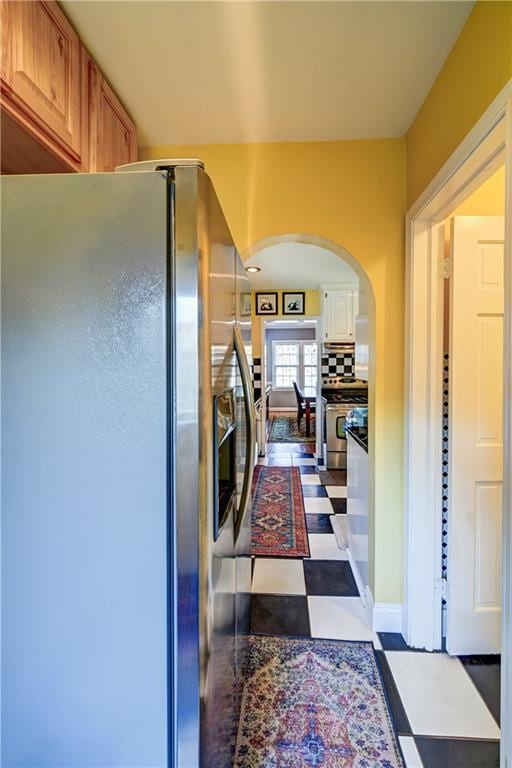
(311, 703)
(283, 429)
(278, 518)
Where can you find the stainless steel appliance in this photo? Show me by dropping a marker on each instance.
(127, 457)
(341, 395)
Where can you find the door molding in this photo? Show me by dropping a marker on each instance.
(483, 150)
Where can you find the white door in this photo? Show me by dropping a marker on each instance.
(476, 435)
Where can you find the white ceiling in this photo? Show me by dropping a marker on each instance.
(296, 265)
(213, 72)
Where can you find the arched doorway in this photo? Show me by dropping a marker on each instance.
(266, 254)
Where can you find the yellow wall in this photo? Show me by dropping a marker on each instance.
(487, 200)
(352, 193)
(312, 309)
(477, 68)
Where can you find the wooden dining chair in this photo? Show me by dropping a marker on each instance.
(301, 407)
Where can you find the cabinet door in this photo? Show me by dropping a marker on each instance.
(112, 135)
(339, 313)
(40, 70)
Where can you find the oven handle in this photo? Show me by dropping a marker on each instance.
(250, 431)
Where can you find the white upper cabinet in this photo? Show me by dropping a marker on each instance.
(340, 307)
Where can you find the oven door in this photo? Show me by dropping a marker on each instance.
(336, 438)
(335, 418)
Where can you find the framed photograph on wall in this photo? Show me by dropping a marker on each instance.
(294, 303)
(266, 303)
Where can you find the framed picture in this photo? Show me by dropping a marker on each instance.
(266, 303)
(294, 303)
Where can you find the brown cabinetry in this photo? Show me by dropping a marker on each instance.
(58, 111)
(112, 136)
(41, 77)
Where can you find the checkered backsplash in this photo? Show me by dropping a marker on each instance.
(337, 364)
(256, 377)
(333, 364)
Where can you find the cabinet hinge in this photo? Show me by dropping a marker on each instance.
(447, 268)
(441, 586)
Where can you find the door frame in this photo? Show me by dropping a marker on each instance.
(265, 322)
(486, 147)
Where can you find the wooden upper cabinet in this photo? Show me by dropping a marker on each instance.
(41, 76)
(112, 135)
(58, 113)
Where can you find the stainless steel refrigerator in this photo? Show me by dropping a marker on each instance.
(127, 456)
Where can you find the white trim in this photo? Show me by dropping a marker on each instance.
(387, 617)
(383, 617)
(485, 147)
(424, 344)
(361, 586)
(506, 665)
(262, 441)
(447, 180)
(369, 604)
(314, 321)
(301, 366)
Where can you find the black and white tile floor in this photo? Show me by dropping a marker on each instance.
(446, 709)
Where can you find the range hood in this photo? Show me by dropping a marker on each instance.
(339, 346)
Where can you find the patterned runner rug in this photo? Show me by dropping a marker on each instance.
(283, 429)
(278, 518)
(311, 703)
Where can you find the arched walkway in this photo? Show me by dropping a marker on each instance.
(367, 305)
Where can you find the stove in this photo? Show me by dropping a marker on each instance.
(341, 395)
(344, 390)
(354, 397)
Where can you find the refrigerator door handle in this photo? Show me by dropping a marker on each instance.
(249, 417)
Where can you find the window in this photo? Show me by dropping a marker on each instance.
(286, 363)
(294, 361)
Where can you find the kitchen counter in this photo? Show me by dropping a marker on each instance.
(357, 506)
(360, 435)
(268, 390)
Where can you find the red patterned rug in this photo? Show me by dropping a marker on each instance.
(314, 703)
(278, 519)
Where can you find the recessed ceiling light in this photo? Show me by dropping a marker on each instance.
(253, 269)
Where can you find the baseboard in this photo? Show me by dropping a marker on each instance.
(369, 605)
(385, 617)
(382, 617)
(357, 577)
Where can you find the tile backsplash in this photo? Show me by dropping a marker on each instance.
(336, 363)
(256, 377)
(333, 363)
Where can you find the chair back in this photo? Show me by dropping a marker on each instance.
(299, 396)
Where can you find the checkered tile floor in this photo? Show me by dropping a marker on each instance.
(446, 710)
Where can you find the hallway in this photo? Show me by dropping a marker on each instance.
(445, 710)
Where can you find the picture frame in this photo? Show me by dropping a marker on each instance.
(266, 303)
(294, 303)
